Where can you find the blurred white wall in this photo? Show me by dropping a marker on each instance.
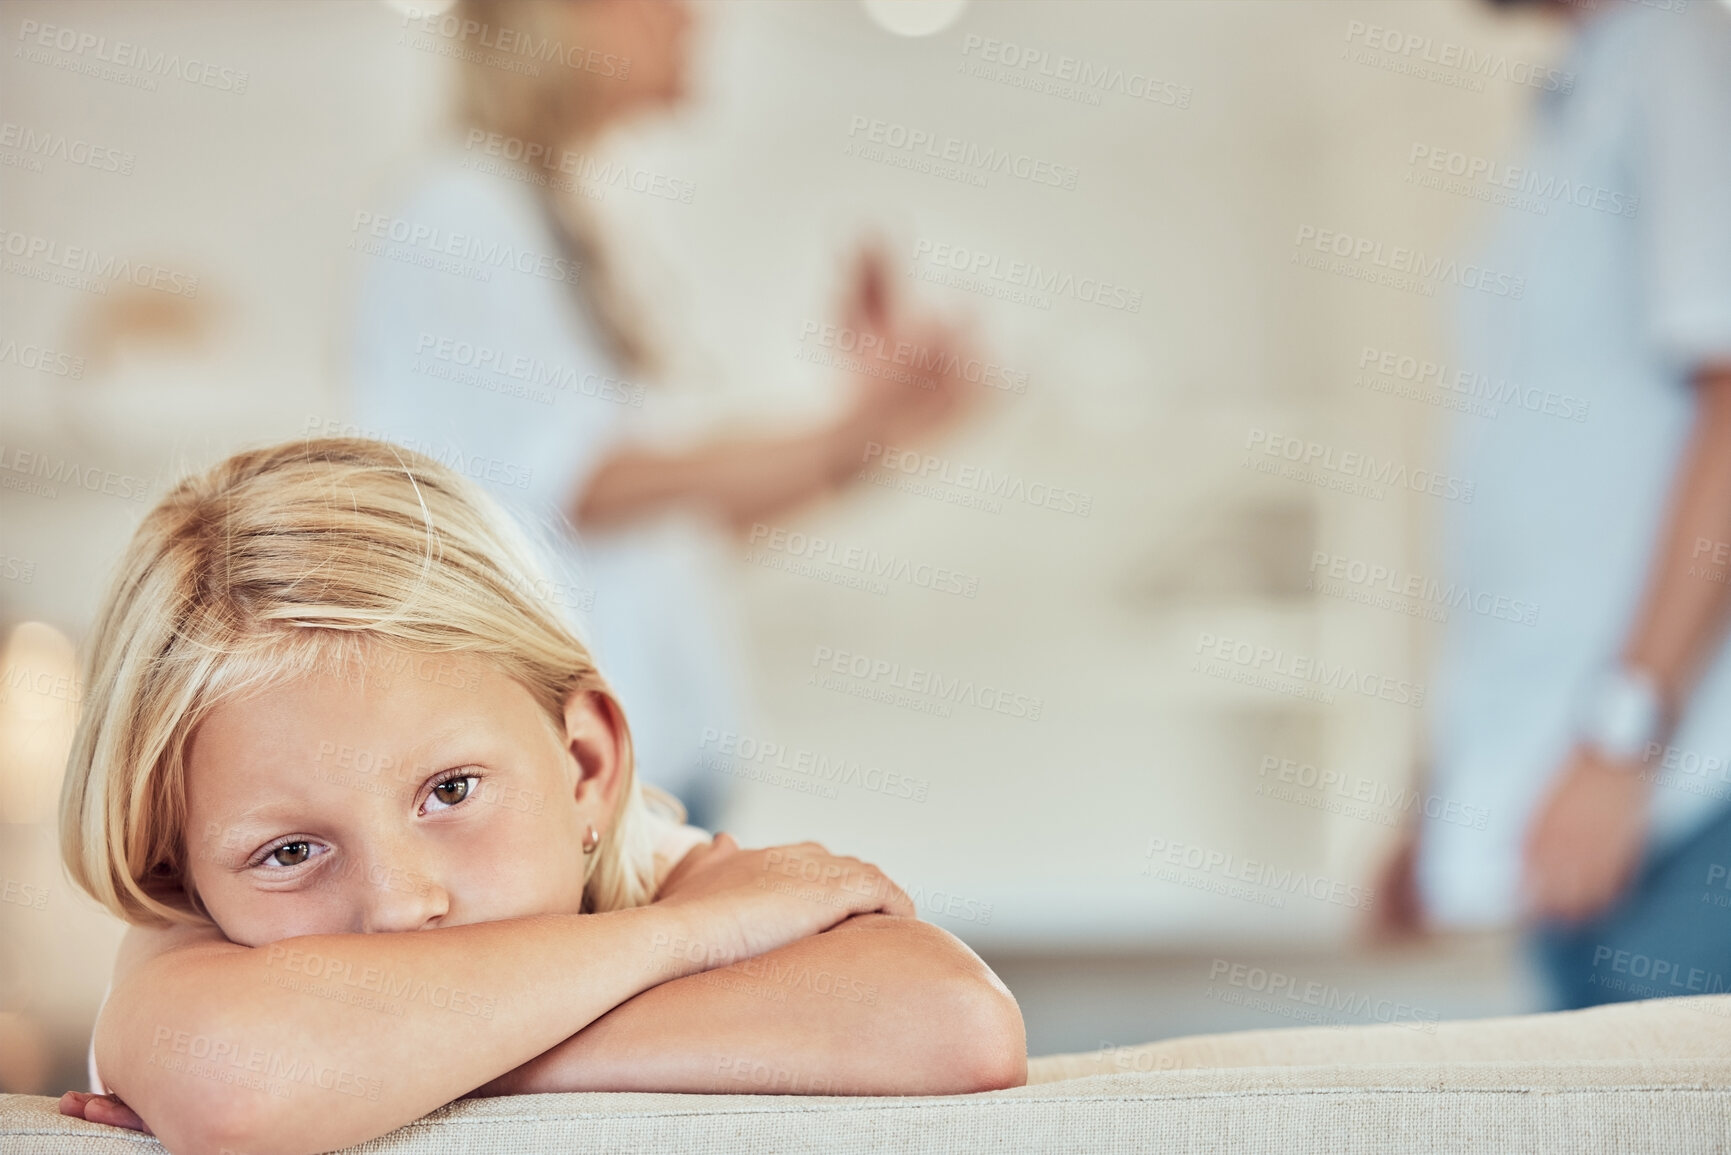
(1267, 120)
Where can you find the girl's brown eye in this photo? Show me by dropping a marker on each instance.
(291, 853)
(452, 790)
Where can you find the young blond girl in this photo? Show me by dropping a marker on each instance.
(324, 706)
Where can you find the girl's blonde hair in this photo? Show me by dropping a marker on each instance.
(555, 107)
(277, 562)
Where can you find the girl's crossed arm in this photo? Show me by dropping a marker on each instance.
(878, 1004)
(322, 1041)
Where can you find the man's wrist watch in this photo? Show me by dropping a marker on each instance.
(1622, 715)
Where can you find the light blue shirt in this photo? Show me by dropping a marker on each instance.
(472, 344)
(1621, 303)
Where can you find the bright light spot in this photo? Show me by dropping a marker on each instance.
(914, 17)
(415, 9)
(39, 702)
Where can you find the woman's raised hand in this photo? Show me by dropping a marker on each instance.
(754, 901)
(912, 373)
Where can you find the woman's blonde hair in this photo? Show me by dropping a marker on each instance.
(553, 107)
(278, 562)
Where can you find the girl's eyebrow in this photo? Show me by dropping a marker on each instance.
(442, 735)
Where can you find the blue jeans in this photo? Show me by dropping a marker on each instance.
(1669, 934)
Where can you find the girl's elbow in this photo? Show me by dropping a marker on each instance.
(228, 1123)
(1003, 1062)
(206, 1125)
(994, 1050)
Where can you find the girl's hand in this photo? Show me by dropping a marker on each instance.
(101, 1109)
(765, 899)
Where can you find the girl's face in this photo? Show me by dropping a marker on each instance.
(437, 793)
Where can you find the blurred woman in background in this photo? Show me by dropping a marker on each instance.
(506, 347)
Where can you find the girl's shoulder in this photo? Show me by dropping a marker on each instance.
(141, 944)
(673, 840)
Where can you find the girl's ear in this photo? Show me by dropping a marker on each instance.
(595, 737)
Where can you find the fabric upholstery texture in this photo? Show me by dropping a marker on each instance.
(1649, 1076)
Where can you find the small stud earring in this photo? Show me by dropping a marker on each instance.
(590, 839)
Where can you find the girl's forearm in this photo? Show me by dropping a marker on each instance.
(875, 1006)
(322, 1041)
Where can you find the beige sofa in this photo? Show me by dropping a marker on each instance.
(1635, 1077)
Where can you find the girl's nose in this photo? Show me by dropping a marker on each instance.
(400, 897)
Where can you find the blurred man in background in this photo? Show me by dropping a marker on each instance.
(1597, 739)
